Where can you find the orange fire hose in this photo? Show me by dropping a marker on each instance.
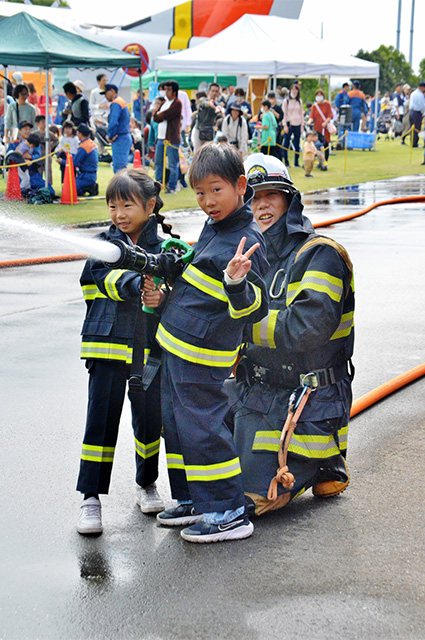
(29, 261)
(350, 216)
(384, 390)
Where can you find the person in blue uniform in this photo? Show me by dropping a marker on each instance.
(118, 127)
(309, 330)
(342, 98)
(86, 163)
(114, 336)
(218, 294)
(358, 104)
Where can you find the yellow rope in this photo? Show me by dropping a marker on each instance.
(26, 164)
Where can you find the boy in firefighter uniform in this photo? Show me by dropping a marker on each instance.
(200, 331)
(114, 315)
(309, 330)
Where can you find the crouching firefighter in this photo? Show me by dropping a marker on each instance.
(292, 396)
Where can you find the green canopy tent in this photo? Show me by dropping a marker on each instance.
(26, 41)
(185, 80)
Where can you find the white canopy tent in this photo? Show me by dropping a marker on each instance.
(271, 46)
(267, 45)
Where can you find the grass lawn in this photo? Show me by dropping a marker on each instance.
(391, 159)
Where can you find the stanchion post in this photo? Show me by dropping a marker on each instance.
(344, 137)
(164, 159)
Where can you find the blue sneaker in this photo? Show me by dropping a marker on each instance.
(182, 515)
(203, 532)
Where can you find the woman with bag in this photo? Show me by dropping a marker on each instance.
(321, 117)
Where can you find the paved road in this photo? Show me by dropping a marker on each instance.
(351, 567)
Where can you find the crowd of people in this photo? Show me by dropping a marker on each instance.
(105, 128)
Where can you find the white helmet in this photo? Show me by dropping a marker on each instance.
(264, 172)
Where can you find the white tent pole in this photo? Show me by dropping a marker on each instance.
(46, 133)
(376, 103)
(5, 108)
(329, 89)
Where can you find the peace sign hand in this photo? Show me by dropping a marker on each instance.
(240, 264)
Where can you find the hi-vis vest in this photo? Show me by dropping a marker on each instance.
(204, 319)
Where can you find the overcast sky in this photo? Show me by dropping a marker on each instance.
(349, 24)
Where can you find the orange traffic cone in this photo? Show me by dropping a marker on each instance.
(69, 189)
(13, 187)
(137, 160)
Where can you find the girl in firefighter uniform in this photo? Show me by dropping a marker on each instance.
(309, 330)
(115, 334)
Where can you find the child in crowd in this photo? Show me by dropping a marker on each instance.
(68, 142)
(113, 350)
(310, 151)
(200, 331)
(35, 168)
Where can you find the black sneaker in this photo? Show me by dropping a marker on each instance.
(203, 532)
(182, 515)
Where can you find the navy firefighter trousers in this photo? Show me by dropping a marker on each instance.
(107, 386)
(202, 462)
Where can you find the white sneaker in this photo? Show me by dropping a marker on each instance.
(149, 499)
(90, 520)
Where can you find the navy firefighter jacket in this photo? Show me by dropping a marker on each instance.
(204, 319)
(310, 324)
(113, 297)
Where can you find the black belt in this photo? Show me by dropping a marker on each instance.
(288, 378)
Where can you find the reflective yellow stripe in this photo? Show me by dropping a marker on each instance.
(313, 446)
(241, 313)
(343, 438)
(110, 283)
(175, 461)
(146, 355)
(263, 331)
(95, 453)
(316, 281)
(89, 291)
(205, 283)
(147, 450)
(182, 26)
(345, 326)
(266, 441)
(186, 351)
(107, 351)
(210, 472)
(304, 445)
(297, 495)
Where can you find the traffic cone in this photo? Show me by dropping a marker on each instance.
(69, 189)
(137, 160)
(13, 187)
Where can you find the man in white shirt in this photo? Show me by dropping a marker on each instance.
(99, 106)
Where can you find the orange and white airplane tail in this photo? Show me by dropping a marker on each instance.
(205, 18)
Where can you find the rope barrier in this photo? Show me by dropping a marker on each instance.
(26, 164)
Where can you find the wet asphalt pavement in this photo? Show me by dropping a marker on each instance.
(350, 567)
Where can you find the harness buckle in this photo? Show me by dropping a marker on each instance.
(309, 380)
